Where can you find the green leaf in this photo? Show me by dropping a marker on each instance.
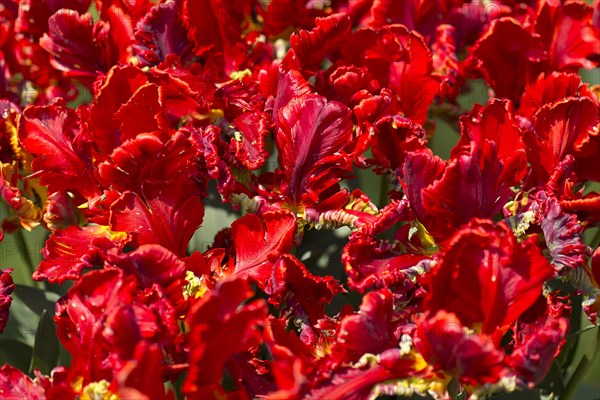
(216, 217)
(453, 389)
(15, 353)
(535, 394)
(45, 349)
(24, 326)
(554, 381)
(35, 299)
(21, 244)
(587, 361)
(22, 323)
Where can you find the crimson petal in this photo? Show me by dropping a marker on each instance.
(569, 126)
(550, 88)
(259, 243)
(369, 331)
(80, 47)
(118, 88)
(312, 46)
(14, 384)
(572, 39)
(310, 129)
(250, 147)
(495, 125)
(160, 33)
(68, 252)
(312, 292)
(222, 324)
(509, 65)
(166, 216)
(6, 288)
(51, 134)
(446, 345)
(486, 277)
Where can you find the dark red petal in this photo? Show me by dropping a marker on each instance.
(122, 330)
(533, 358)
(394, 136)
(79, 47)
(565, 127)
(239, 95)
(445, 61)
(280, 15)
(595, 265)
(568, 31)
(120, 85)
(105, 314)
(218, 26)
(57, 386)
(539, 336)
(350, 383)
(588, 206)
(322, 189)
(312, 292)
(372, 263)
(6, 288)
(214, 159)
(80, 319)
(407, 69)
(153, 264)
(160, 33)
(143, 113)
(495, 126)
(142, 376)
(470, 187)
(130, 164)
(290, 85)
(486, 277)
(350, 82)
(586, 168)
(167, 217)
(369, 331)
(312, 46)
(148, 158)
(289, 374)
(386, 12)
(250, 148)
(133, 10)
(184, 91)
(50, 133)
(509, 65)
(67, 252)
(34, 62)
(222, 324)
(260, 242)
(446, 346)
(550, 88)
(420, 170)
(33, 18)
(310, 129)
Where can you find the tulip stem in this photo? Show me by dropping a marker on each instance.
(383, 190)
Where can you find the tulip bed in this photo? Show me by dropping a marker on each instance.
(299, 199)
